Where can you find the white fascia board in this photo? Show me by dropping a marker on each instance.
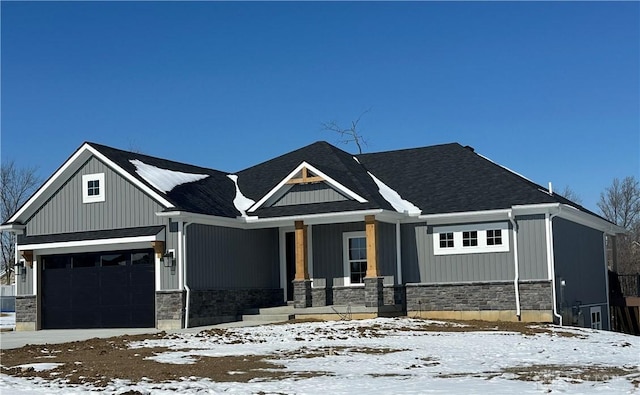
(530, 209)
(13, 228)
(203, 219)
(313, 219)
(56, 179)
(92, 243)
(317, 172)
(466, 217)
(572, 214)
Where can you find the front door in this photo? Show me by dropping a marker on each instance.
(290, 253)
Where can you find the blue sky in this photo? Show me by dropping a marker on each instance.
(550, 90)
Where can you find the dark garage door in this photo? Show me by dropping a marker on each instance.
(114, 289)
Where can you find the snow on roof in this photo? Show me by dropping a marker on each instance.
(401, 205)
(241, 202)
(163, 179)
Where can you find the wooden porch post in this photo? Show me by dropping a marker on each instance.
(372, 246)
(302, 268)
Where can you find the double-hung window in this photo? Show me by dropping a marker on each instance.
(355, 257)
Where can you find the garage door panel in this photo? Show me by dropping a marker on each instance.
(90, 295)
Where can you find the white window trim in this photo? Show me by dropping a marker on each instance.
(482, 246)
(85, 190)
(345, 256)
(596, 324)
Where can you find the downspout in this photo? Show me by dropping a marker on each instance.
(398, 254)
(182, 243)
(516, 279)
(550, 256)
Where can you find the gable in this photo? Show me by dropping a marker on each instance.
(67, 210)
(306, 174)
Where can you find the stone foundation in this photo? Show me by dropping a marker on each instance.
(209, 307)
(394, 295)
(302, 295)
(348, 295)
(26, 313)
(373, 292)
(170, 307)
(481, 300)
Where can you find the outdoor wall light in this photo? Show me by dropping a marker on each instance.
(168, 259)
(21, 268)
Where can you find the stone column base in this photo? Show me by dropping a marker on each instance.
(26, 313)
(373, 291)
(170, 307)
(302, 296)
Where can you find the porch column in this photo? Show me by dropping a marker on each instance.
(373, 282)
(301, 283)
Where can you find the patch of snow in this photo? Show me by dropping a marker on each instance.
(163, 179)
(356, 159)
(406, 359)
(397, 202)
(241, 202)
(40, 367)
(7, 320)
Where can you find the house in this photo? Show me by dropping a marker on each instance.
(121, 239)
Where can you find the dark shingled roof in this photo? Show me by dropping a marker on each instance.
(91, 235)
(257, 181)
(212, 195)
(451, 178)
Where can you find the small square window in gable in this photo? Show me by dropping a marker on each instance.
(93, 188)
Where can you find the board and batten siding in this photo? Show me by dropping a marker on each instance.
(228, 258)
(125, 206)
(328, 260)
(309, 193)
(169, 275)
(579, 261)
(532, 247)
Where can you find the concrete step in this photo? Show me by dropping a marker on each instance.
(269, 314)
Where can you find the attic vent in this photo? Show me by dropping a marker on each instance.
(470, 148)
(305, 176)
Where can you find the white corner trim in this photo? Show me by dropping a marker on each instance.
(327, 179)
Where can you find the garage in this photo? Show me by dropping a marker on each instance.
(111, 289)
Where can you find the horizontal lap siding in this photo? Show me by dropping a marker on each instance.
(125, 206)
(226, 258)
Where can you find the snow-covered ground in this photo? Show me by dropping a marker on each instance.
(391, 356)
(7, 320)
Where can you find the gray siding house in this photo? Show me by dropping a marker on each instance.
(120, 239)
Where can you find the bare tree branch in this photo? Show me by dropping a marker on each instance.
(16, 185)
(350, 134)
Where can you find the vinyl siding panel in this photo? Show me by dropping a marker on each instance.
(421, 265)
(579, 261)
(226, 258)
(125, 206)
(532, 247)
(24, 283)
(309, 193)
(327, 249)
(169, 276)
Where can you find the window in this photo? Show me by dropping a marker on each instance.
(93, 188)
(494, 237)
(470, 238)
(355, 257)
(596, 317)
(446, 240)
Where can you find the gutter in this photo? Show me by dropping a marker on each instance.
(550, 256)
(516, 265)
(182, 243)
